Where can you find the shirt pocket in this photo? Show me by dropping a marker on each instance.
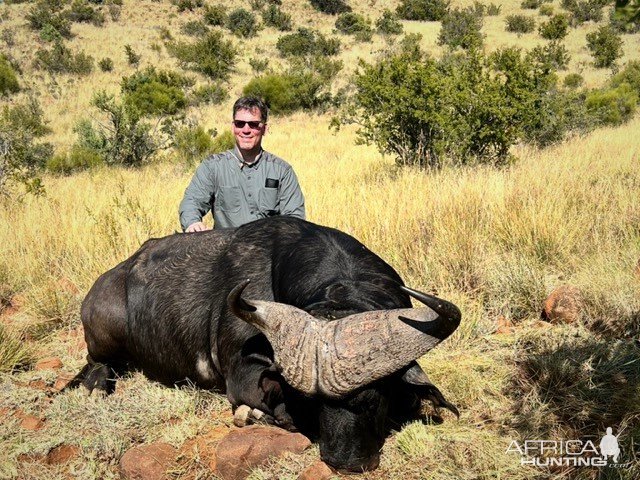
(268, 201)
(228, 199)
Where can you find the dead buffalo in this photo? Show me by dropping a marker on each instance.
(299, 321)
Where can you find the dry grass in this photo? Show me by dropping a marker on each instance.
(494, 241)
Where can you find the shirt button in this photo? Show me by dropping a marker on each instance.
(249, 194)
(251, 212)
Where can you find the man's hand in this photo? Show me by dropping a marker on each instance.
(197, 227)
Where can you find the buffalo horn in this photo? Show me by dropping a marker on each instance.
(335, 358)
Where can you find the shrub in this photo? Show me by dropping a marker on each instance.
(8, 79)
(332, 7)
(546, 10)
(194, 28)
(620, 23)
(258, 65)
(605, 46)
(276, 18)
(212, 55)
(22, 156)
(463, 108)
(520, 24)
(47, 12)
(15, 354)
(133, 58)
(573, 80)
(584, 10)
(81, 11)
(556, 28)
(79, 158)
(50, 34)
(114, 11)
(155, 92)
(493, 10)
(223, 142)
(215, 15)
(288, 92)
(461, 28)
(242, 23)
(552, 56)
(630, 75)
(190, 5)
(532, 4)
(213, 94)
(425, 10)
(354, 24)
(612, 106)
(307, 42)
(192, 143)
(106, 64)
(61, 59)
(388, 23)
(8, 37)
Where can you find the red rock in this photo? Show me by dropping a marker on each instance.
(148, 462)
(317, 471)
(62, 454)
(563, 305)
(62, 381)
(248, 447)
(29, 422)
(50, 363)
(505, 326)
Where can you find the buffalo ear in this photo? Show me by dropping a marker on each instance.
(426, 390)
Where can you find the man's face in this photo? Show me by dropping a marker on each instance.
(249, 135)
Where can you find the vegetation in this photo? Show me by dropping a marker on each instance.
(193, 143)
(584, 10)
(354, 24)
(77, 159)
(552, 56)
(242, 23)
(215, 15)
(388, 23)
(573, 80)
(60, 59)
(461, 28)
(307, 42)
(520, 24)
(274, 17)
(556, 28)
(8, 79)
(212, 55)
(425, 10)
(155, 92)
(605, 46)
(331, 7)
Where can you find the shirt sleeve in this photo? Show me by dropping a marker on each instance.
(291, 197)
(199, 195)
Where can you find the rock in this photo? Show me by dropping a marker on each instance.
(62, 381)
(29, 422)
(505, 326)
(317, 471)
(62, 454)
(563, 305)
(203, 447)
(147, 462)
(246, 448)
(49, 363)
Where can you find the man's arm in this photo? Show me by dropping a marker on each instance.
(291, 197)
(198, 198)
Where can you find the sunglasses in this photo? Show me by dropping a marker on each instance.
(252, 125)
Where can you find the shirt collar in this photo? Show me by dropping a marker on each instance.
(242, 163)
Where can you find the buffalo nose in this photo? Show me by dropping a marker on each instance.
(366, 465)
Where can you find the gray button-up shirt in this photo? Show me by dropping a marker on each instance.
(239, 193)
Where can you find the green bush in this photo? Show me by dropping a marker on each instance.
(133, 58)
(215, 15)
(493, 10)
(307, 42)
(8, 79)
(520, 24)
(425, 10)
(612, 106)
(622, 24)
(461, 28)
(155, 92)
(259, 65)
(573, 80)
(354, 24)
(23, 155)
(630, 75)
(291, 91)
(546, 10)
(332, 7)
(192, 143)
(605, 46)
(48, 12)
(81, 11)
(584, 10)
(213, 94)
(79, 158)
(49, 34)
(106, 64)
(463, 108)
(211, 55)
(61, 59)
(388, 23)
(552, 56)
(274, 17)
(194, 28)
(242, 23)
(190, 5)
(532, 4)
(223, 142)
(556, 28)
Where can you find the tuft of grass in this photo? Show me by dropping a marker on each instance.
(14, 354)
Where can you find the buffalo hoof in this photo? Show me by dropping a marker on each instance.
(241, 415)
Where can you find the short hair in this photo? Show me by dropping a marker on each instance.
(250, 103)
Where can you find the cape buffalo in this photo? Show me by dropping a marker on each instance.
(300, 322)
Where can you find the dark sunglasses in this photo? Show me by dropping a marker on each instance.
(252, 125)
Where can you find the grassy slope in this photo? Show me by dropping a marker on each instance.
(494, 241)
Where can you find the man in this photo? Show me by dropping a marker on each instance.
(245, 183)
